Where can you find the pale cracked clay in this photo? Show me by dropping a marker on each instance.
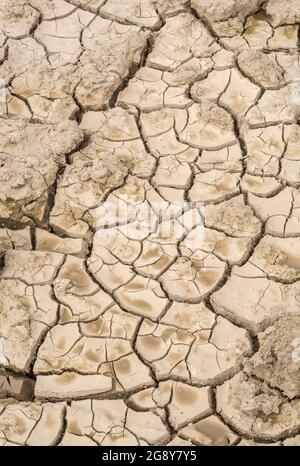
(118, 330)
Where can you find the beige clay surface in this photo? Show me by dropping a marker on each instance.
(149, 222)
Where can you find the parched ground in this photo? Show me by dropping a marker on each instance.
(150, 222)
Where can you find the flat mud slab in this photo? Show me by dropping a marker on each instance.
(149, 222)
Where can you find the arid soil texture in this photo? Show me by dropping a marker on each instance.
(150, 222)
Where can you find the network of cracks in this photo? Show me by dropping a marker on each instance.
(150, 222)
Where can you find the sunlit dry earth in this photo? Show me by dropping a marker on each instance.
(150, 222)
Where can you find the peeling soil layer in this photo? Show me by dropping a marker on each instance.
(149, 222)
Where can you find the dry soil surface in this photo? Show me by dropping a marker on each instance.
(150, 222)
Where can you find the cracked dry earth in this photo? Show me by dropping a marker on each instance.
(190, 337)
